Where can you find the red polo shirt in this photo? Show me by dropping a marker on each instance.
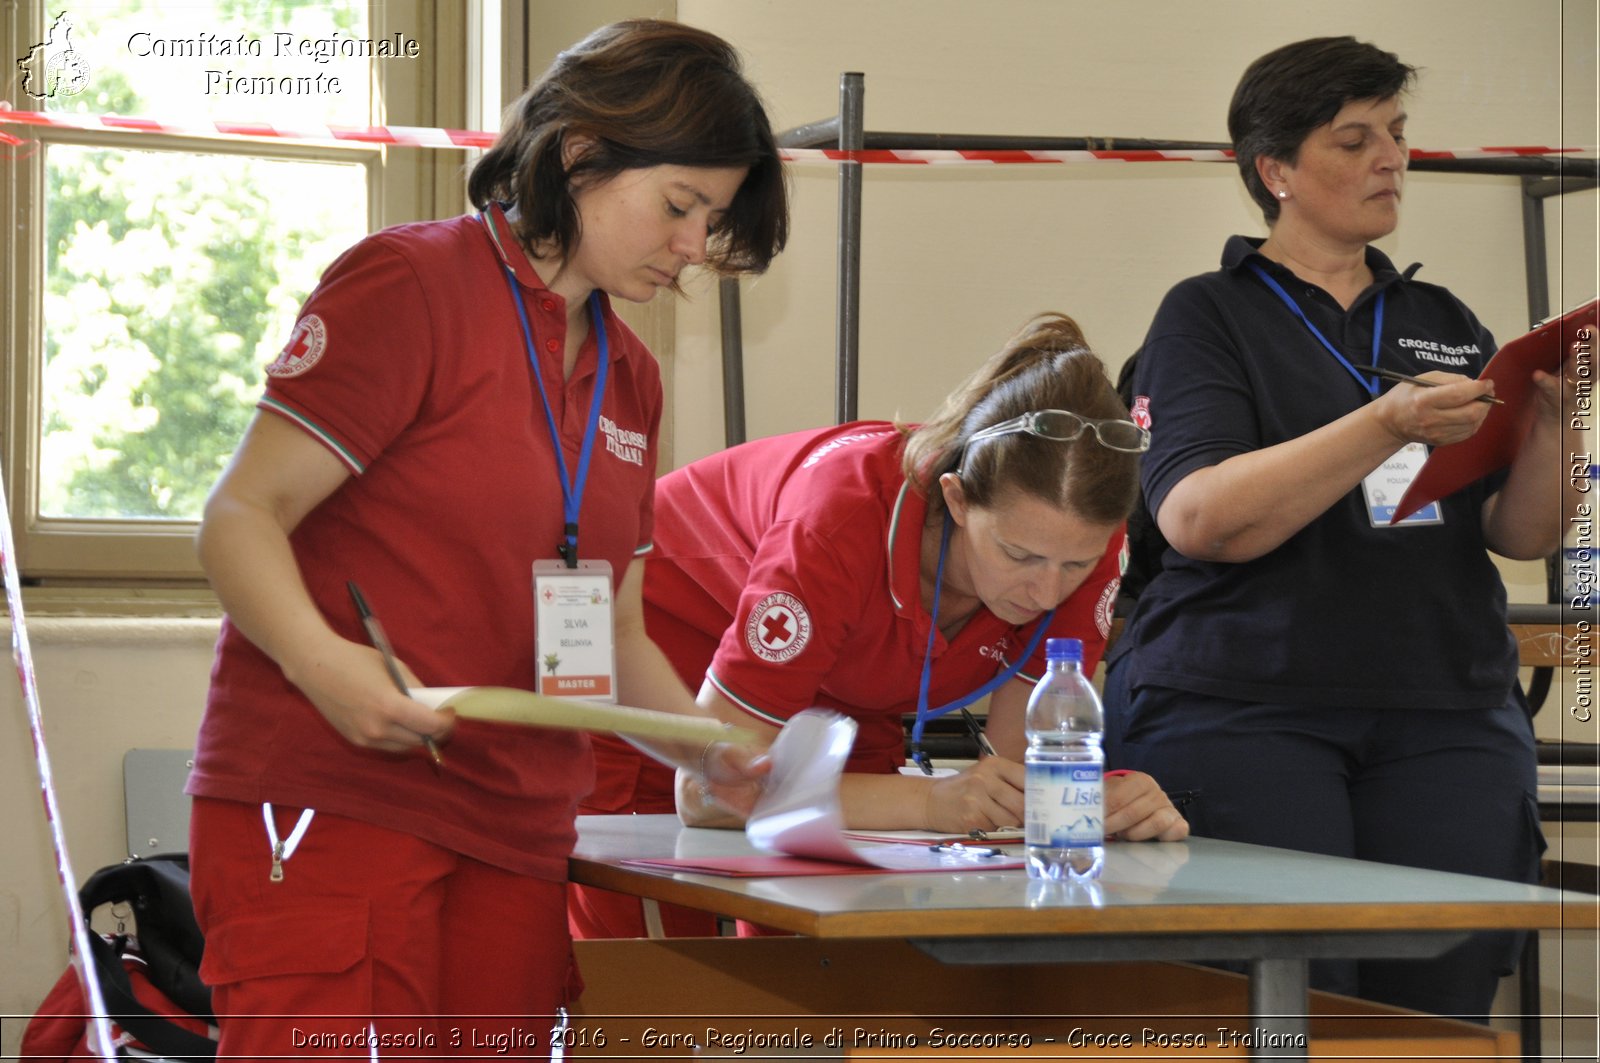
(409, 363)
(787, 570)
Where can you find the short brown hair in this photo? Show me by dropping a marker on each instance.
(1048, 365)
(646, 93)
(1292, 90)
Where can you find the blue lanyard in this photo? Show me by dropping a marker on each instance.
(1370, 385)
(571, 489)
(924, 714)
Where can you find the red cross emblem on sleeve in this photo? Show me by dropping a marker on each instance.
(305, 348)
(1140, 414)
(778, 628)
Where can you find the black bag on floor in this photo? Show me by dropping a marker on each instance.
(163, 955)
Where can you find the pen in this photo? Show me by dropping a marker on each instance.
(977, 734)
(1403, 378)
(979, 835)
(381, 642)
(960, 849)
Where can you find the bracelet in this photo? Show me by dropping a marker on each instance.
(703, 754)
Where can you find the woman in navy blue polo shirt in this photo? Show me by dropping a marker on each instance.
(1330, 681)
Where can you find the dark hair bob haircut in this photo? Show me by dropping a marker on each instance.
(645, 93)
(1292, 90)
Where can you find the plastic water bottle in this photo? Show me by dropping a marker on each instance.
(1064, 800)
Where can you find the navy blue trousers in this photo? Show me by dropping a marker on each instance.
(1448, 790)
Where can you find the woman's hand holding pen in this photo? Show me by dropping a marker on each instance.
(279, 474)
(350, 685)
(1448, 412)
(983, 797)
(990, 794)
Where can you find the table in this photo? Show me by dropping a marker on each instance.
(1201, 899)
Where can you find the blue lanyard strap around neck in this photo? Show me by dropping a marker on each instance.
(1370, 384)
(924, 714)
(571, 488)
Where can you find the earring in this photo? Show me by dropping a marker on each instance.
(1283, 194)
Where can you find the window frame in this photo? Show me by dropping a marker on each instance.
(403, 184)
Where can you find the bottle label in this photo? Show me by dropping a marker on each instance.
(1063, 805)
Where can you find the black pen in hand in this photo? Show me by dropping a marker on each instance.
(381, 643)
(977, 734)
(1405, 378)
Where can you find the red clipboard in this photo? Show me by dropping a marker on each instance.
(888, 859)
(1450, 468)
(766, 866)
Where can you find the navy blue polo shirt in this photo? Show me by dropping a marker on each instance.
(1342, 613)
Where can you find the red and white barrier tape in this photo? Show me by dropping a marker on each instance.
(100, 1041)
(403, 136)
(948, 156)
(420, 137)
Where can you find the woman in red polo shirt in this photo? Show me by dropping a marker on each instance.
(415, 439)
(831, 568)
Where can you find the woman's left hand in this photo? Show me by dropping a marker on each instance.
(1138, 810)
(733, 775)
(1558, 390)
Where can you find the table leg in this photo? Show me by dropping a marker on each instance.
(1278, 1008)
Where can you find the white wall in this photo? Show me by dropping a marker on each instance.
(106, 686)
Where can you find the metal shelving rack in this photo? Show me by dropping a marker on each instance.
(1542, 178)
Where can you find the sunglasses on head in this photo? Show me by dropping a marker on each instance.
(1064, 426)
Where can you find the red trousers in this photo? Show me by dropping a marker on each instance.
(372, 935)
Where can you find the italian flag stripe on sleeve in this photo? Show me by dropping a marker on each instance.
(316, 430)
(767, 717)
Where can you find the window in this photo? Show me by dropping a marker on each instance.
(151, 276)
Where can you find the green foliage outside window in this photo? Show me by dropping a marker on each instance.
(172, 281)
(173, 278)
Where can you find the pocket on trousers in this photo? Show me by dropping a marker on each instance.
(1533, 838)
(326, 938)
(1509, 945)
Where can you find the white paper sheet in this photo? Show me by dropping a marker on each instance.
(800, 815)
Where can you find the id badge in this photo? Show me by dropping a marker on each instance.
(1386, 484)
(574, 634)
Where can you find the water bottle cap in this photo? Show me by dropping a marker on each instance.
(1063, 650)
